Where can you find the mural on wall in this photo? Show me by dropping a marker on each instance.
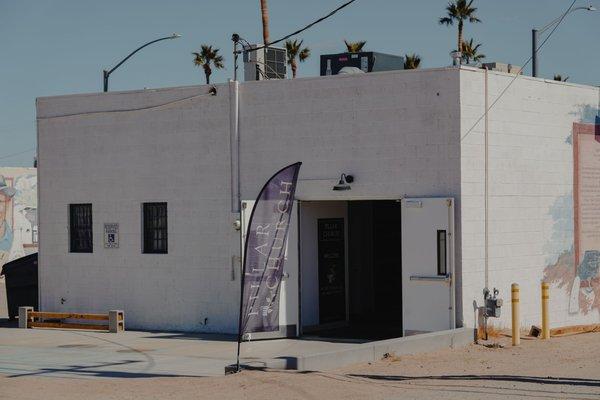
(18, 213)
(577, 269)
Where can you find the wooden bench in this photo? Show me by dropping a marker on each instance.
(113, 321)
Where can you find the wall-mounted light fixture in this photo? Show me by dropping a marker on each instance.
(344, 183)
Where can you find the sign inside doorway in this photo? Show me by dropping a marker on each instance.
(332, 270)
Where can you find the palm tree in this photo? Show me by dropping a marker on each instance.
(264, 10)
(470, 51)
(206, 57)
(459, 11)
(412, 61)
(355, 47)
(295, 50)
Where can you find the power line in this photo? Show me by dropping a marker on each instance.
(157, 106)
(306, 27)
(17, 154)
(517, 75)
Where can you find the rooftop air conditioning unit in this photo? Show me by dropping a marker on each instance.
(503, 67)
(263, 64)
(366, 61)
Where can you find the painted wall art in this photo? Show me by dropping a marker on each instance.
(18, 213)
(577, 270)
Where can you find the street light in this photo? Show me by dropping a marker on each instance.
(536, 32)
(106, 74)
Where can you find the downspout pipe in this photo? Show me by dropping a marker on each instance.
(234, 145)
(486, 190)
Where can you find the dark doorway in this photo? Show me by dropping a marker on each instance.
(387, 261)
(374, 272)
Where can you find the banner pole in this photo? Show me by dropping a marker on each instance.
(242, 282)
(239, 338)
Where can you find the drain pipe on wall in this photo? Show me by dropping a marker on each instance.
(486, 290)
(486, 167)
(234, 144)
(234, 149)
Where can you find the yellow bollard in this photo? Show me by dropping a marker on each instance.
(545, 316)
(516, 320)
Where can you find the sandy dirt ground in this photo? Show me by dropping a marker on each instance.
(560, 368)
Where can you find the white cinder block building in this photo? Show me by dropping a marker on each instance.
(139, 194)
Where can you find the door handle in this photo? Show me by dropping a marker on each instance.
(431, 278)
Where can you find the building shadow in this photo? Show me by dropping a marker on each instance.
(549, 380)
(94, 371)
(215, 337)
(7, 323)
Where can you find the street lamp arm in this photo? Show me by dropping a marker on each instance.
(173, 36)
(558, 19)
(536, 32)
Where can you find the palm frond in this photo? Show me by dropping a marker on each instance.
(446, 21)
(355, 47)
(207, 56)
(412, 61)
(292, 48)
(459, 10)
(304, 54)
(470, 51)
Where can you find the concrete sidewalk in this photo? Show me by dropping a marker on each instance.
(66, 353)
(559, 368)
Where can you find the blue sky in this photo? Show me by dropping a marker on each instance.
(53, 47)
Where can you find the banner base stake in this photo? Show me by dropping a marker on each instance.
(232, 369)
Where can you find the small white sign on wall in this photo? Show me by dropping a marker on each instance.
(111, 236)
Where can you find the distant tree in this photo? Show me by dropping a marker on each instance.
(207, 57)
(355, 47)
(558, 77)
(470, 52)
(295, 51)
(459, 11)
(412, 61)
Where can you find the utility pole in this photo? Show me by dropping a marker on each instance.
(236, 39)
(264, 10)
(534, 45)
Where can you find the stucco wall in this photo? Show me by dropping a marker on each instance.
(396, 132)
(174, 148)
(530, 191)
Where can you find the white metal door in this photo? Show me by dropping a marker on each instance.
(288, 295)
(427, 264)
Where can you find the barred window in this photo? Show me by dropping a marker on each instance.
(155, 228)
(81, 238)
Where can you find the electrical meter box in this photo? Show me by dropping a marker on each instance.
(493, 304)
